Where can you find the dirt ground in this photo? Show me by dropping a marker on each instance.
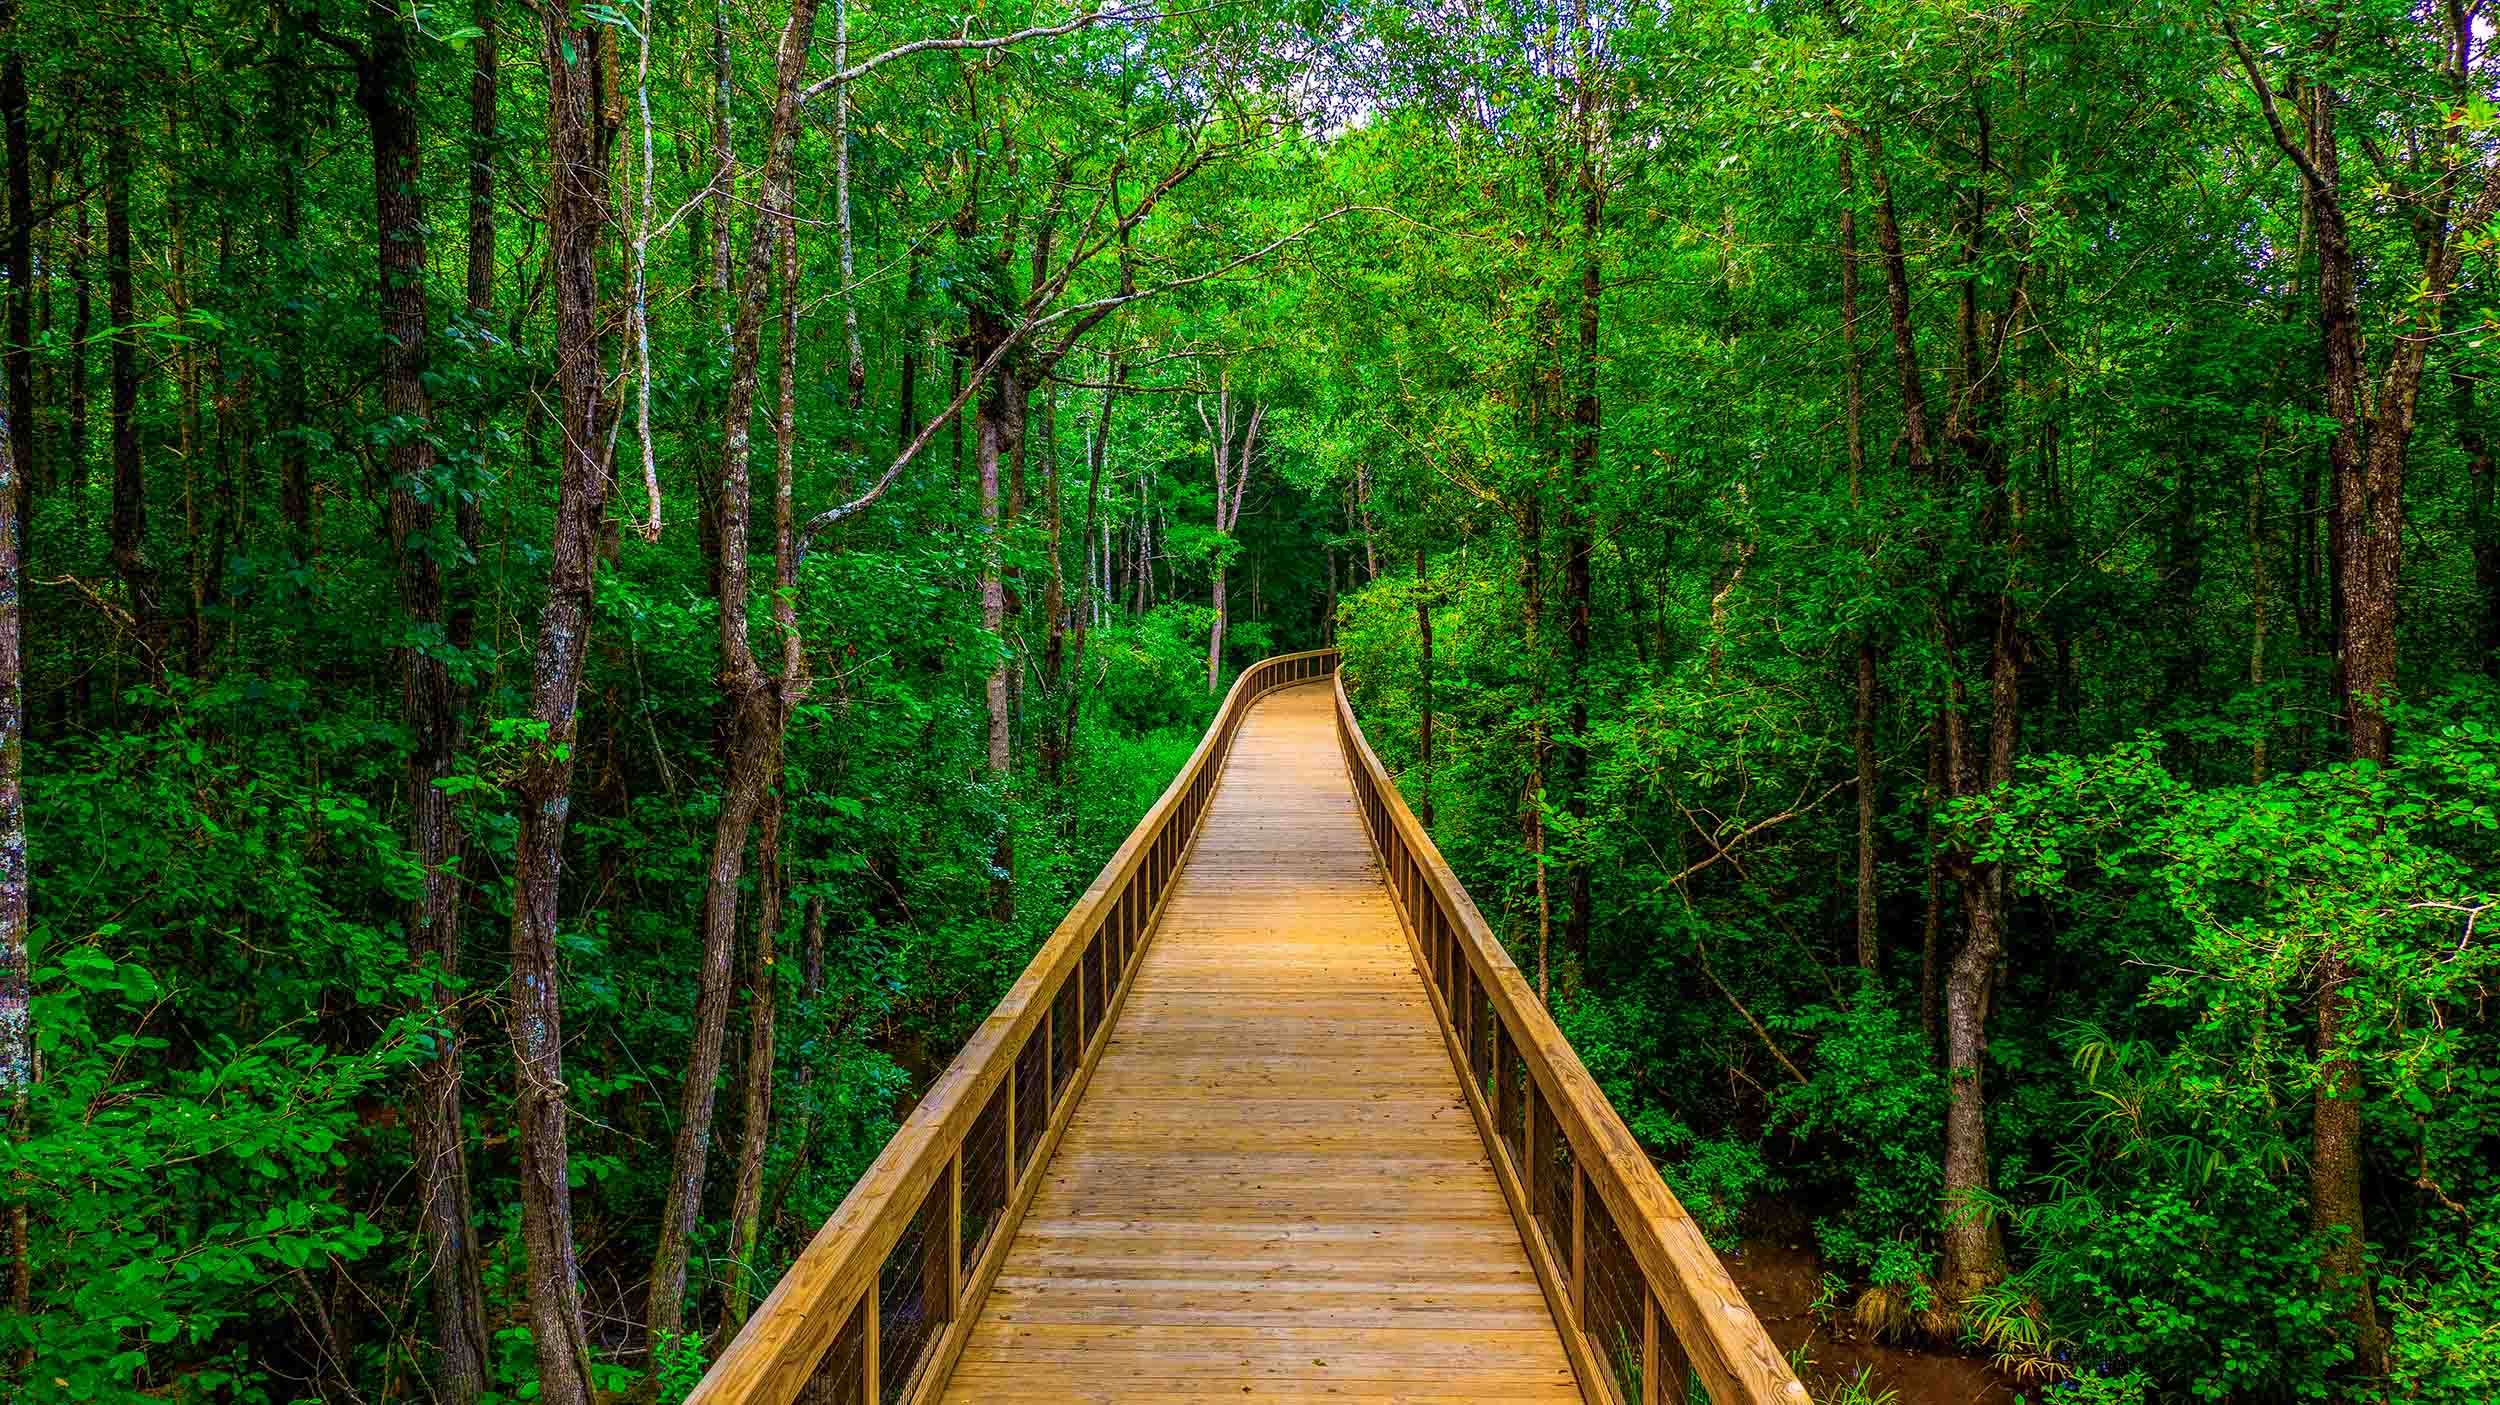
(1779, 1271)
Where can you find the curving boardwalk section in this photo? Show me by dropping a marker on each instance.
(1271, 1189)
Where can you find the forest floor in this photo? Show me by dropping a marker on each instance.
(1780, 1274)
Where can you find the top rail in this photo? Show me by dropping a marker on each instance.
(877, 1306)
(1617, 1253)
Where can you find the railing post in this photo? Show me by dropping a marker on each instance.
(1532, 1135)
(872, 1382)
(1579, 1246)
(1014, 1172)
(954, 1236)
(1649, 1346)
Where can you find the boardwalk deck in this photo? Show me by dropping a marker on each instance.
(1271, 1189)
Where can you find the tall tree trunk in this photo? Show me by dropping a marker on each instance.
(17, 1029)
(82, 322)
(577, 212)
(2365, 517)
(20, 253)
(1578, 547)
(1097, 459)
(855, 377)
(771, 879)
(129, 528)
(748, 698)
(1862, 721)
(1897, 294)
(1232, 477)
(481, 153)
(998, 441)
(387, 91)
(287, 84)
(2483, 517)
(1423, 644)
(1974, 1245)
(1531, 620)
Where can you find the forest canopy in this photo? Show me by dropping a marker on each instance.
(582, 584)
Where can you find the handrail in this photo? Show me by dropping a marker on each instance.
(1614, 1263)
(877, 1307)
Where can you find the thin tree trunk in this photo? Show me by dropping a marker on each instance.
(17, 1029)
(1931, 925)
(387, 91)
(482, 112)
(286, 86)
(1532, 614)
(1423, 642)
(753, 726)
(1578, 548)
(2257, 608)
(20, 253)
(82, 322)
(129, 528)
(1097, 458)
(577, 212)
(856, 377)
(1862, 722)
(2483, 518)
(772, 883)
(1897, 291)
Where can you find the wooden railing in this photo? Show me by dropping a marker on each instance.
(1644, 1305)
(877, 1307)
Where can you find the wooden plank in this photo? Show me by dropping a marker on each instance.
(772, 1356)
(1274, 1184)
(1710, 1318)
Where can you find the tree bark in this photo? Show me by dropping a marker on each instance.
(20, 253)
(482, 113)
(1897, 293)
(1577, 546)
(2365, 519)
(771, 877)
(287, 83)
(1862, 721)
(577, 212)
(82, 322)
(1232, 478)
(128, 532)
(17, 1030)
(387, 91)
(753, 732)
(2483, 518)
(1423, 643)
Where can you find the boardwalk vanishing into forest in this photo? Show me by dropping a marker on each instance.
(1270, 1117)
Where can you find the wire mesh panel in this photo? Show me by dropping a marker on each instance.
(1032, 1096)
(1094, 994)
(1616, 1293)
(1482, 1034)
(913, 1301)
(985, 1171)
(1510, 1117)
(841, 1374)
(1669, 1363)
(1549, 1179)
(1067, 1040)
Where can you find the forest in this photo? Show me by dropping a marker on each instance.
(582, 583)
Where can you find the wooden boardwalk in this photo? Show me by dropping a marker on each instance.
(1271, 1189)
